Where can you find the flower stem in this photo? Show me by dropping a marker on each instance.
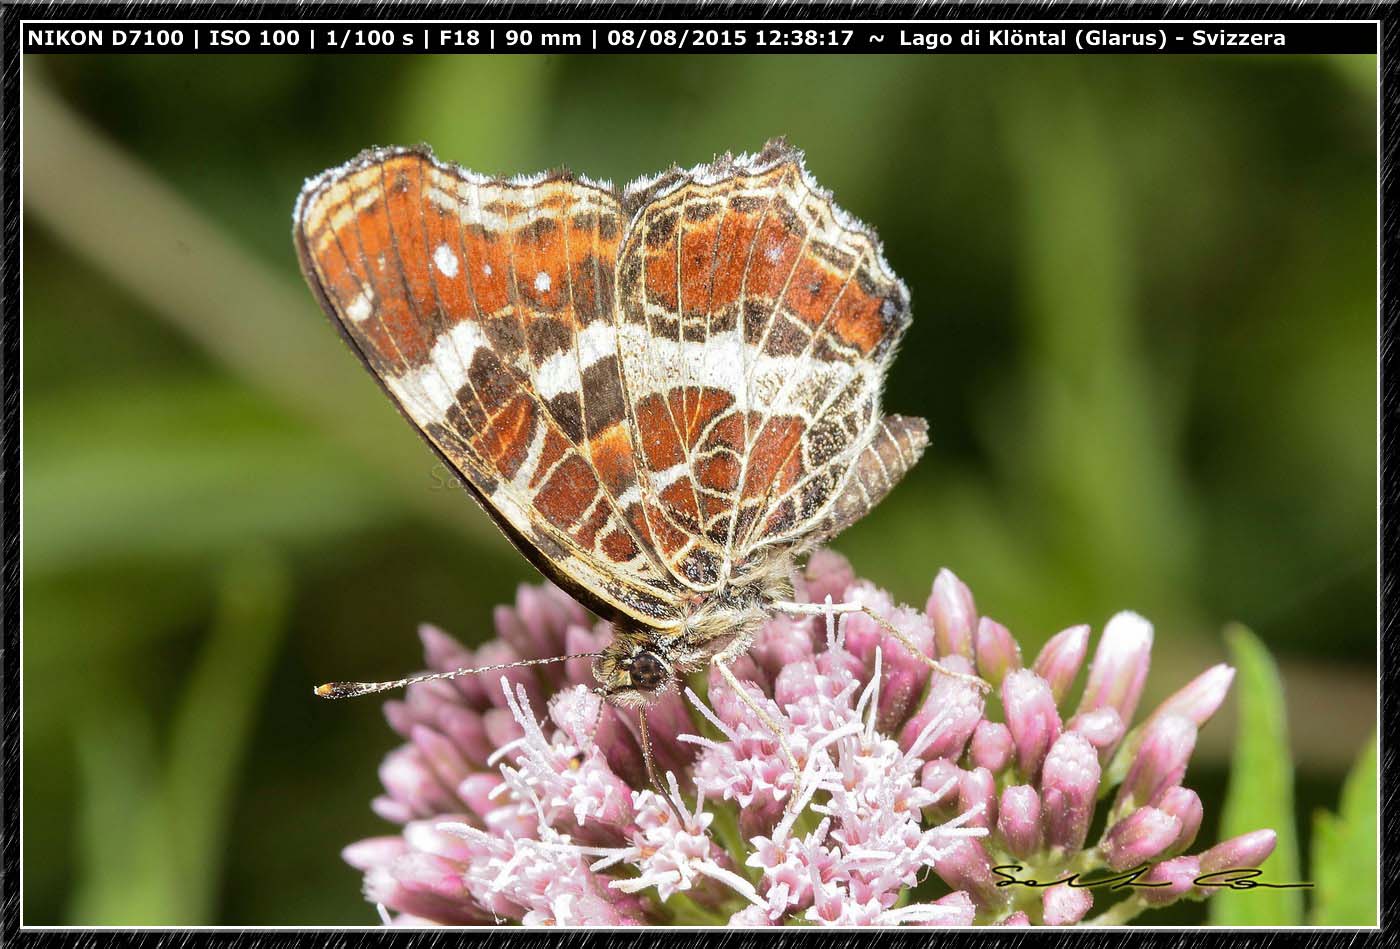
(1118, 914)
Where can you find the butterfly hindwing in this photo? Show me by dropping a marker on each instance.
(760, 321)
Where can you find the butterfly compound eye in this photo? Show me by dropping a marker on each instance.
(648, 672)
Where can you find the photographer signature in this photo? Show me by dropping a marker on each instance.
(1238, 879)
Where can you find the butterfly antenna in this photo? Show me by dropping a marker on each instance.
(348, 690)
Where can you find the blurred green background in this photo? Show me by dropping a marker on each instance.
(1145, 307)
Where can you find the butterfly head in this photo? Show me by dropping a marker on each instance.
(635, 669)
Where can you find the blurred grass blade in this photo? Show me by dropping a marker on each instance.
(1095, 427)
(1345, 856)
(188, 470)
(133, 227)
(152, 835)
(124, 876)
(217, 710)
(500, 139)
(1261, 789)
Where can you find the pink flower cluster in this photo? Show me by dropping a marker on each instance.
(909, 791)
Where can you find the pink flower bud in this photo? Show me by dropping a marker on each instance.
(424, 885)
(1200, 698)
(466, 730)
(978, 789)
(953, 614)
(540, 617)
(961, 911)
(992, 746)
(905, 674)
(1018, 918)
(501, 727)
(1179, 874)
(391, 810)
(1018, 820)
(965, 865)
(579, 639)
(1239, 853)
(1066, 905)
(1061, 657)
(409, 779)
(475, 792)
(511, 631)
(789, 641)
(957, 707)
(1068, 785)
(1120, 666)
(997, 652)
(828, 574)
(440, 755)
(442, 652)
(436, 837)
(399, 716)
(1185, 805)
(943, 778)
(1143, 835)
(373, 852)
(862, 633)
(1031, 717)
(1102, 727)
(1160, 763)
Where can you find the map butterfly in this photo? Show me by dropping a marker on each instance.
(663, 396)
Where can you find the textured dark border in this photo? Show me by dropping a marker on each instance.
(1389, 481)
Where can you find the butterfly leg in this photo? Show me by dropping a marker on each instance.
(721, 662)
(831, 609)
(646, 751)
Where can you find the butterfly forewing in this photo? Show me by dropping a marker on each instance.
(478, 305)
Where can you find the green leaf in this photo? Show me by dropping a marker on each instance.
(1345, 858)
(1261, 789)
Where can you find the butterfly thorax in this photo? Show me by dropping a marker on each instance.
(644, 662)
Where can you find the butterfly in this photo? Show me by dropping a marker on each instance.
(664, 396)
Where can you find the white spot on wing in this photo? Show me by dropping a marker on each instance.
(362, 306)
(542, 282)
(446, 260)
